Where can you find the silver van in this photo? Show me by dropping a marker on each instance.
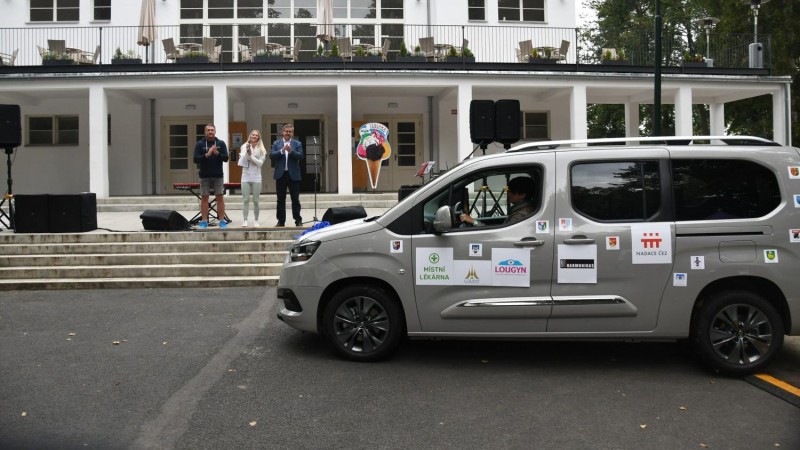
(661, 239)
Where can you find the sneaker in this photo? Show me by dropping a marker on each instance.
(280, 224)
(244, 224)
(223, 224)
(203, 225)
(255, 224)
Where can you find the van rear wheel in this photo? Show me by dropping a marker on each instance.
(363, 323)
(737, 332)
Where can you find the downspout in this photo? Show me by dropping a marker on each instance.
(428, 20)
(431, 156)
(153, 183)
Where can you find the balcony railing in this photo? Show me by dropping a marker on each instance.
(489, 44)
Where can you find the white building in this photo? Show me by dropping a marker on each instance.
(157, 110)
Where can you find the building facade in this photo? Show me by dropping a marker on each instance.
(129, 129)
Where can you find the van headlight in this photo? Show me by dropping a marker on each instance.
(303, 251)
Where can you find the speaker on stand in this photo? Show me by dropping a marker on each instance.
(482, 122)
(507, 122)
(10, 138)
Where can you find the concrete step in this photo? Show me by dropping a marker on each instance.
(146, 247)
(237, 205)
(210, 235)
(120, 259)
(128, 283)
(142, 271)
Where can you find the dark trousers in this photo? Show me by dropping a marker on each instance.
(294, 191)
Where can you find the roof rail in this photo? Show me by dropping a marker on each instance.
(667, 140)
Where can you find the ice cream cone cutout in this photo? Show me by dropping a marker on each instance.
(373, 148)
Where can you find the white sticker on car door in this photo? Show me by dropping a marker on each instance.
(651, 243)
(577, 264)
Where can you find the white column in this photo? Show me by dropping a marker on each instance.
(344, 113)
(778, 114)
(220, 106)
(98, 142)
(631, 119)
(683, 112)
(577, 104)
(716, 116)
(464, 98)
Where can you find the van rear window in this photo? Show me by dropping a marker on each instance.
(616, 190)
(718, 189)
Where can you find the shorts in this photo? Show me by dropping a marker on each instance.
(211, 184)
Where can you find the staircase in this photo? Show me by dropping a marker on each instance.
(132, 259)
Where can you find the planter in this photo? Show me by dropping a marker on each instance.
(126, 61)
(620, 62)
(267, 58)
(192, 60)
(458, 59)
(327, 59)
(542, 61)
(370, 58)
(411, 59)
(57, 62)
(693, 64)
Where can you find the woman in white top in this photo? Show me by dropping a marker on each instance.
(251, 158)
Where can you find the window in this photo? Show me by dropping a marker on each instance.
(250, 9)
(535, 126)
(55, 10)
(391, 9)
(707, 189)
(476, 9)
(102, 9)
(616, 191)
(52, 130)
(483, 195)
(520, 10)
(220, 9)
(191, 9)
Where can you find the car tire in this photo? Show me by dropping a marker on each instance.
(363, 323)
(737, 332)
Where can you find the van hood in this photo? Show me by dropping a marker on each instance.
(342, 230)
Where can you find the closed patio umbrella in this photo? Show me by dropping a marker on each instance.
(325, 29)
(147, 26)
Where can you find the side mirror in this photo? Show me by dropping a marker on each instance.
(443, 220)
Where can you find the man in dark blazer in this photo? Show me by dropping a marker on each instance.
(286, 154)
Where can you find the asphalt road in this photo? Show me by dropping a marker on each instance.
(214, 369)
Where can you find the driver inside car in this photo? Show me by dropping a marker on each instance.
(520, 195)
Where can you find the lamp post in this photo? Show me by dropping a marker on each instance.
(756, 56)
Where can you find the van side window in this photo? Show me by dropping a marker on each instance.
(616, 190)
(718, 189)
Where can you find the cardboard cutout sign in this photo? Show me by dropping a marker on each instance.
(373, 148)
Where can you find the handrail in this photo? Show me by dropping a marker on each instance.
(676, 140)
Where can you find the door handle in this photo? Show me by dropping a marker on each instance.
(579, 240)
(528, 242)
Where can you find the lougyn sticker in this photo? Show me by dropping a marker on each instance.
(511, 267)
(434, 265)
(373, 148)
(651, 244)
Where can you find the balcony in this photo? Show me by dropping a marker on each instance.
(92, 49)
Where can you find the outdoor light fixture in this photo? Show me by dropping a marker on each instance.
(707, 23)
(292, 105)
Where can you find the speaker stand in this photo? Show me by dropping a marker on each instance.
(9, 195)
(316, 185)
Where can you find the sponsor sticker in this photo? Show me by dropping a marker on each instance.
(543, 226)
(794, 172)
(697, 262)
(794, 235)
(612, 242)
(434, 265)
(511, 267)
(771, 256)
(797, 200)
(679, 279)
(475, 249)
(475, 273)
(651, 243)
(565, 224)
(577, 264)
(396, 246)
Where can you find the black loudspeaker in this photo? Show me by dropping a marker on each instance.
(163, 220)
(481, 121)
(30, 213)
(72, 213)
(10, 129)
(341, 214)
(507, 121)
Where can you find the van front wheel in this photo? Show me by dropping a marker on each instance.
(737, 332)
(363, 323)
